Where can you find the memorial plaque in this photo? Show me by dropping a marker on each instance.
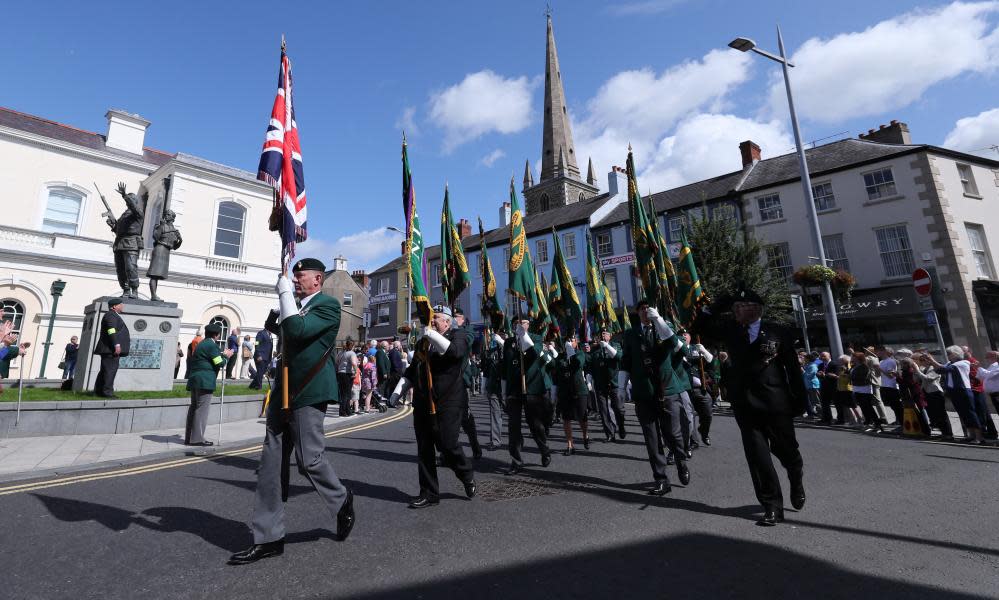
(144, 354)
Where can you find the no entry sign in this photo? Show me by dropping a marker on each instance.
(921, 282)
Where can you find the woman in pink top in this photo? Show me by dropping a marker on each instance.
(369, 381)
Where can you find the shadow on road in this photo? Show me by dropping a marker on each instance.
(707, 566)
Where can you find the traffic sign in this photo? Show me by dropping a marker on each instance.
(931, 317)
(922, 282)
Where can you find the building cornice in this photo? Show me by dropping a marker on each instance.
(39, 141)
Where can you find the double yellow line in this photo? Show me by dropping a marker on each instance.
(180, 462)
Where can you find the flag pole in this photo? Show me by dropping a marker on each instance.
(221, 405)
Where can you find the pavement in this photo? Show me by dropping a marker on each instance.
(886, 517)
(27, 457)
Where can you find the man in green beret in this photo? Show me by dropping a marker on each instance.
(205, 363)
(113, 342)
(309, 322)
(526, 365)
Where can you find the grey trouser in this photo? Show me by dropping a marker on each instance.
(197, 416)
(655, 417)
(495, 419)
(304, 434)
(611, 409)
(688, 420)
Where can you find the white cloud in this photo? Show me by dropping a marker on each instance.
(646, 7)
(976, 134)
(407, 121)
(366, 250)
(491, 158)
(707, 145)
(483, 102)
(888, 65)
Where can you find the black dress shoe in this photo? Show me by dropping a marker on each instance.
(477, 454)
(661, 488)
(770, 518)
(693, 444)
(622, 433)
(669, 459)
(567, 452)
(257, 552)
(689, 454)
(586, 443)
(470, 488)
(798, 494)
(345, 518)
(608, 438)
(706, 440)
(205, 443)
(514, 469)
(683, 473)
(546, 459)
(424, 502)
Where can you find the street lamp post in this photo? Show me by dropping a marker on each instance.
(409, 284)
(57, 287)
(832, 322)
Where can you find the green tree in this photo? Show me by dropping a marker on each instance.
(728, 259)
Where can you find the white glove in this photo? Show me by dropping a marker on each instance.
(569, 350)
(589, 382)
(286, 297)
(665, 331)
(524, 339)
(400, 390)
(610, 349)
(497, 339)
(552, 352)
(438, 341)
(703, 352)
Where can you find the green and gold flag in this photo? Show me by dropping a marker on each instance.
(647, 254)
(594, 289)
(609, 314)
(563, 300)
(543, 320)
(454, 268)
(689, 293)
(523, 283)
(414, 244)
(625, 319)
(491, 310)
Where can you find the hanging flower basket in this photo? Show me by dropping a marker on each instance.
(843, 284)
(813, 275)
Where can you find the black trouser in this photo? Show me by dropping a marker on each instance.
(104, 386)
(611, 409)
(468, 426)
(827, 396)
(390, 383)
(866, 403)
(230, 365)
(661, 417)
(258, 375)
(893, 399)
(345, 381)
(937, 408)
(982, 407)
(439, 432)
(763, 434)
(702, 407)
(535, 409)
(126, 263)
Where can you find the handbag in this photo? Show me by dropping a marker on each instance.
(62, 365)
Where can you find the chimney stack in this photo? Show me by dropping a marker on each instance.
(402, 247)
(464, 228)
(895, 133)
(504, 214)
(617, 181)
(126, 131)
(360, 278)
(340, 263)
(750, 153)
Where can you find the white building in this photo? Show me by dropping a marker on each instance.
(53, 228)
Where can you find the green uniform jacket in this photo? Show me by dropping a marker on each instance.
(536, 367)
(12, 352)
(382, 364)
(492, 367)
(306, 337)
(603, 367)
(666, 359)
(468, 372)
(570, 374)
(204, 366)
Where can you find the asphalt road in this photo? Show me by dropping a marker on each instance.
(885, 518)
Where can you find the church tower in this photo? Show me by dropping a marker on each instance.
(558, 183)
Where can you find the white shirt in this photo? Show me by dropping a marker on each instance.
(754, 331)
(888, 364)
(305, 300)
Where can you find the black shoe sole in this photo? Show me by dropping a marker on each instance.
(236, 561)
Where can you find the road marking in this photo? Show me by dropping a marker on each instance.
(171, 464)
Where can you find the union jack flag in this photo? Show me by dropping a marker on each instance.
(281, 166)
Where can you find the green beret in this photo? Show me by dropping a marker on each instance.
(309, 264)
(213, 330)
(115, 302)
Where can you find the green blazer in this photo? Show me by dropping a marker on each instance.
(204, 366)
(604, 367)
(666, 357)
(536, 367)
(571, 374)
(305, 338)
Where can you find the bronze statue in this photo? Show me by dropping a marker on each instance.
(127, 240)
(166, 237)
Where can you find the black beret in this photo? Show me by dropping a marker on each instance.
(213, 330)
(115, 302)
(309, 264)
(458, 311)
(641, 303)
(603, 330)
(747, 295)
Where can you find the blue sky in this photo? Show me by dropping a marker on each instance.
(464, 80)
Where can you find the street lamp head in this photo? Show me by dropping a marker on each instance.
(57, 287)
(742, 44)
(395, 229)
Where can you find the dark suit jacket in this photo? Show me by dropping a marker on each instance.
(264, 346)
(765, 375)
(113, 331)
(448, 374)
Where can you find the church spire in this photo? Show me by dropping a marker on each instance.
(528, 175)
(557, 132)
(561, 162)
(591, 177)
